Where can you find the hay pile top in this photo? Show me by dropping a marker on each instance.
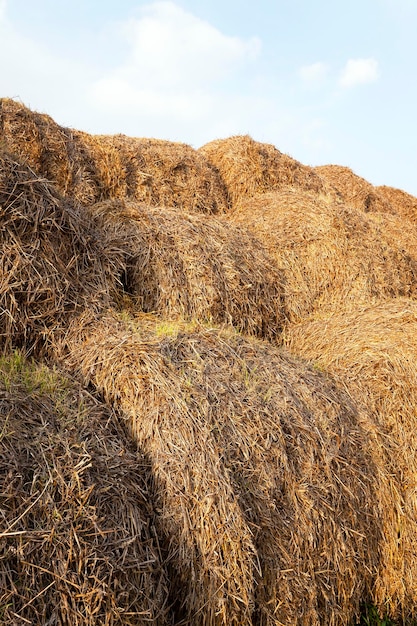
(353, 190)
(250, 167)
(90, 168)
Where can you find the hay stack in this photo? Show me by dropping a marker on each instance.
(195, 267)
(76, 545)
(92, 168)
(373, 351)
(165, 173)
(351, 189)
(268, 498)
(249, 167)
(331, 253)
(402, 202)
(52, 263)
(52, 151)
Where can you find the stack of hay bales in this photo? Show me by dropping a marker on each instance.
(76, 544)
(53, 264)
(91, 168)
(194, 267)
(226, 482)
(372, 351)
(402, 202)
(331, 253)
(272, 508)
(353, 190)
(249, 167)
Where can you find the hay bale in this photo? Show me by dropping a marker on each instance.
(268, 498)
(52, 151)
(373, 350)
(91, 168)
(165, 173)
(331, 253)
(402, 202)
(351, 189)
(76, 542)
(52, 263)
(249, 167)
(195, 267)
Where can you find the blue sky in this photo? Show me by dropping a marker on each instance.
(324, 81)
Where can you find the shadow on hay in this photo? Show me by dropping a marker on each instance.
(269, 500)
(195, 267)
(78, 545)
(53, 263)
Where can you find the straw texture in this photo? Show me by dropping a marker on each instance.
(402, 202)
(90, 168)
(52, 263)
(372, 350)
(267, 495)
(353, 190)
(323, 250)
(249, 167)
(76, 546)
(194, 267)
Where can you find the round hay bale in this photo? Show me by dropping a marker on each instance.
(91, 168)
(373, 350)
(268, 498)
(249, 167)
(52, 151)
(76, 542)
(165, 173)
(331, 253)
(402, 202)
(195, 267)
(351, 189)
(52, 263)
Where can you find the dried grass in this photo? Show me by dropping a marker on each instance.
(76, 544)
(249, 167)
(331, 253)
(52, 263)
(402, 202)
(52, 151)
(164, 173)
(373, 350)
(351, 189)
(91, 168)
(195, 267)
(268, 497)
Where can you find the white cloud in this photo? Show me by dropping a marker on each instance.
(178, 67)
(170, 46)
(314, 74)
(359, 72)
